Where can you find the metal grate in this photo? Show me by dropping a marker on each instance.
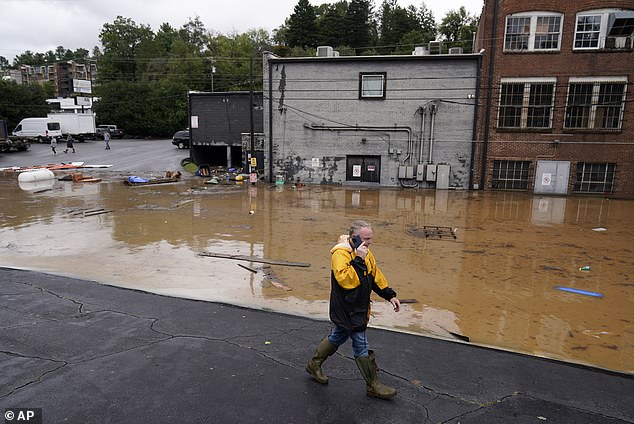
(434, 233)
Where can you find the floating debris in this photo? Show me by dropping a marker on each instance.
(579, 291)
(434, 232)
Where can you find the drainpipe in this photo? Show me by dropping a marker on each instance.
(489, 89)
(271, 178)
(474, 133)
(434, 109)
(423, 116)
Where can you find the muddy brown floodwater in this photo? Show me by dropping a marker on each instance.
(495, 282)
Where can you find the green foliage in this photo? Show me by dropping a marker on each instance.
(458, 27)
(23, 101)
(302, 28)
(152, 108)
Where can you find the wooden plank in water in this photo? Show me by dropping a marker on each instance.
(254, 259)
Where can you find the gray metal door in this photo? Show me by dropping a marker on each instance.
(551, 176)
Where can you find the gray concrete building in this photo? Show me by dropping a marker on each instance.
(375, 120)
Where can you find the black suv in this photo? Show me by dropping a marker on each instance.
(181, 139)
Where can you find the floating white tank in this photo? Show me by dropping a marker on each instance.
(36, 180)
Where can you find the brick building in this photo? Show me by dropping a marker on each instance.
(385, 120)
(64, 76)
(556, 110)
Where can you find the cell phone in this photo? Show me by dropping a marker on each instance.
(356, 242)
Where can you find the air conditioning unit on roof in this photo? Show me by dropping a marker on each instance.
(324, 51)
(435, 47)
(455, 50)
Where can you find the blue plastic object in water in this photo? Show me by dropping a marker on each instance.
(579, 291)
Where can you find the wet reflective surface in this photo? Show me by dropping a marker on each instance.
(495, 282)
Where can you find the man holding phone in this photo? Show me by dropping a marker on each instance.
(354, 275)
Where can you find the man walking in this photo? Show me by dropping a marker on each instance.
(53, 144)
(106, 139)
(69, 143)
(354, 275)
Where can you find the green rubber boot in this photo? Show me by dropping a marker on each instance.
(368, 368)
(324, 350)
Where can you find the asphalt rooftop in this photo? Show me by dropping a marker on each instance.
(78, 351)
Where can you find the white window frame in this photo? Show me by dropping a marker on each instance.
(526, 100)
(533, 30)
(367, 80)
(596, 81)
(603, 30)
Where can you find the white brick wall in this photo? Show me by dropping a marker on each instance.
(324, 93)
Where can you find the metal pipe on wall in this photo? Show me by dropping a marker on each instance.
(423, 117)
(434, 109)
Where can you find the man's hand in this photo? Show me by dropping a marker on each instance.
(396, 304)
(361, 251)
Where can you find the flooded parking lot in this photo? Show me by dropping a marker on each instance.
(487, 266)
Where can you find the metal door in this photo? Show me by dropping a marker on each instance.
(551, 177)
(365, 169)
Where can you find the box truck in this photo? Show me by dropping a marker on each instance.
(80, 126)
(38, 129)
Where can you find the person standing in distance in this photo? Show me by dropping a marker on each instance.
(53, 144)
(69, 143)
(106, 139)
(354, 275)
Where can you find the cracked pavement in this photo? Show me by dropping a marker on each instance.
(90, 353)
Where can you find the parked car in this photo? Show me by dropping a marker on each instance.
(114, 131)
(181, 139)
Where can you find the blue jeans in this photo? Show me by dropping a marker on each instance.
(339, 335)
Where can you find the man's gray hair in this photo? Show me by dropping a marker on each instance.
(357, 225)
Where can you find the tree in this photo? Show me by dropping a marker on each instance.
(396, 22)
(359, 25)
(120, 41)
(21, 101)
(458, 27)
(331, 19)
(302, 26)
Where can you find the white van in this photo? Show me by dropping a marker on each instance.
(40, 129)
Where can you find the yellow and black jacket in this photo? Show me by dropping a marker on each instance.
(352, 280)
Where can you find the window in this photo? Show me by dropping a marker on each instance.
(526, 104)
(510, 175)
(604, 28)
(595, 104)
(372, 85)
(533, 32)
(594, 177)
(588, 32)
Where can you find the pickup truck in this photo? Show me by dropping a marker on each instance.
(8, 144)
(112, 129)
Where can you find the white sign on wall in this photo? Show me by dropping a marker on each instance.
(194, 123)
(315, 163)
(82, 86)
(547, 179)
(356, 170)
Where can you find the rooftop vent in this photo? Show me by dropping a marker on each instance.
(435, 47)
(325, 51)
(420, 51)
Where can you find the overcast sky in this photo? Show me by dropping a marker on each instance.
(42, 25)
